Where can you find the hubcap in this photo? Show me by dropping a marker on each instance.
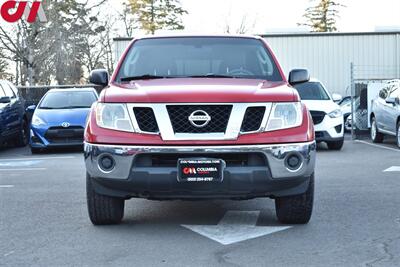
(398, 136)
(373, 130)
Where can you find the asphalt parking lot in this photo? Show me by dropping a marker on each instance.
(356, 220)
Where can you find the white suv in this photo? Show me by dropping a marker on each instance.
(326, 114)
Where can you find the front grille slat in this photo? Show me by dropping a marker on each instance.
(317, 116)
(179, 116)
(146, 119)
(72, 134)
(253, 119)
(158, 160)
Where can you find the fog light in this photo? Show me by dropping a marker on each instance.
(106, 163)
(293, 162)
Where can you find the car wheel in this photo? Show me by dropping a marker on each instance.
(398, 134)
(23, 135)
(376, 136)
(347, 127)
(296, 209)
(103, 209)
(336, 145)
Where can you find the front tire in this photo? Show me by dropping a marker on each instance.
(296, 209)
(398, 134)
(376, 136)
(23, 136)
(336, 145)
(102, 209)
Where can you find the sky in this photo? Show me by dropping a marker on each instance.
(211, 16)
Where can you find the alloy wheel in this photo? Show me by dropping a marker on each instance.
(373, 130)
(398, 135)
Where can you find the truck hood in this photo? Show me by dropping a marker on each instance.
(198, 90)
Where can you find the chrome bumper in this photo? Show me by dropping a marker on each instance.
(276, 155)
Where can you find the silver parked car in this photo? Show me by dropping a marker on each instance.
(385, 115)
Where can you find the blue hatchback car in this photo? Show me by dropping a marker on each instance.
(60, 117)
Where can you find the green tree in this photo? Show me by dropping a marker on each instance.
(155, 15)
(322, 16)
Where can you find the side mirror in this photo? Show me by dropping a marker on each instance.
(398, 100)
(99, 77)
(5, 100)
(298, 76)
(31, 108)
(391, 100)
(336, 97)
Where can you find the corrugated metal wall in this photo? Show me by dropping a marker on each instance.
(328, 56)
(120, 44)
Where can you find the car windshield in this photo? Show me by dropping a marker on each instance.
(68, 100)
(207, 57)
(312, 91)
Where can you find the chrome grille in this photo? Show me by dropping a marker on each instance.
(198, 121)
(179, 116)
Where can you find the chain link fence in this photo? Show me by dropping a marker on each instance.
(366, 81)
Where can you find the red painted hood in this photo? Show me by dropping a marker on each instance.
(202, 90)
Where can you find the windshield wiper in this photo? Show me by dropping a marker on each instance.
(76, 107)
(143, 77)
(212, 75)
(47, 108)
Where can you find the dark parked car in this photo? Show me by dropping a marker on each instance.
(14, 124)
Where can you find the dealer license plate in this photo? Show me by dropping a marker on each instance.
(200, 170)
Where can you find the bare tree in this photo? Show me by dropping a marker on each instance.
(60, 49)
(244, 27)
(3, 62)
(129, 20)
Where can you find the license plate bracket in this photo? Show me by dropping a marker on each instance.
(200, 170)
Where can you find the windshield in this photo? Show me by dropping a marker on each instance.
(68, 100)
(312, 91)
(216, 57)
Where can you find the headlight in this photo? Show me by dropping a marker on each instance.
(284, 116)
(36, 121)
(113, 116)
(335, 114)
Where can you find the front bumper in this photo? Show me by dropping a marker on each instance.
(38, 140)
(128, 179)
(330, 129)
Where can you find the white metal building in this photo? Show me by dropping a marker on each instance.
(328, 56)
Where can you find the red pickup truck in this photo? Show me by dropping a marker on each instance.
(199, 117)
